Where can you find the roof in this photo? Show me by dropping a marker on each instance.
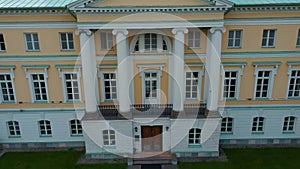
(64, 3)
(264, 2)
(35, 3)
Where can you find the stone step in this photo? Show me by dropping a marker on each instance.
(139, 162)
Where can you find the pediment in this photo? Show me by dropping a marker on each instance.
(111, 6)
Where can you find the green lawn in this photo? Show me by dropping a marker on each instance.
(274, 158)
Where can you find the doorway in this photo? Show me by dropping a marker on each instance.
(151, 138)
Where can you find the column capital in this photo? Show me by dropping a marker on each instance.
(117, 31)
(214, 29)
(176, 30)
(85, 31)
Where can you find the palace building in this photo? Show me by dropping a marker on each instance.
(126, 77)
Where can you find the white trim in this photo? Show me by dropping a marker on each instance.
(264, 21)
(194, 31)
(34, 47)
(107, 40)
(289, 81)
(257, 124)
(199, 89)
(30, 81)
(46, 128)
(158, 76)
(67, 41)
(102, 84)
(13, 86)
(270, 85)
(36, 25)
(63, 77)
(234, 38)
(267, 38)
(238, 82)
(226, 124)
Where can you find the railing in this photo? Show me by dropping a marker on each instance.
(110, 112)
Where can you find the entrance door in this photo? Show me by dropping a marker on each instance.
(151, 90)
(151, 138)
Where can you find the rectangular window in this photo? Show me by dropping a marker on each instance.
(39, 86)
(263, 79)
(151, 85)
(230, 84)
(269, 38)
(13, 128)
(76, 128)
(66, 41)
(294, 84)
(45, 128)
(191, 85)
(234, 39)
(106, 41)
(109, 138)
(298, 39)
(110, 86)
(289, 124)
(194, 39)
(32, 42)
(226, 125)
(2, 43)
(72, 86)
(7, 88)
(258, 124)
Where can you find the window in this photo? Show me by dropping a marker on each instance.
(294, 84)
(106, 41)
(194, 136)
(2, 43)
(234, 39)
(45, 128)
(66, 41)
(39, 86)
(76, 128)
(289, 124)
(7, 88)
(194, 39)
(263, 87)
(298, 39)
(109, 138)
(258, 124)
(32, 42)
(72, 86)
(191, 85)
(269, 37)
(226, 126)
(110, 86)
(230, 84)
(13, 128)
(150, 42)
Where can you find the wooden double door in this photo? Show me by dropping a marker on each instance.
(151, 138)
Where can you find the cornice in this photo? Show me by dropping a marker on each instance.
(37, 11)
(264, 8)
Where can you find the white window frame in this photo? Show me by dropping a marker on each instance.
(151, 49)
(239, 72)
(227, 126)
(11, 74)
(47, 128)
(111, 141)
(298, 40)
(194, 39)
(194, 139)
(77, 129)
(32, 92)
(270, 85)
(234, 38)
(15, 128)
(288, 121)
(65, 86)
(68, 41)
(268, 38)
(107, 41)
(34, 48)
(2, 50)
(289, 83)
(102, 83)
(257, 126)
(200, 74)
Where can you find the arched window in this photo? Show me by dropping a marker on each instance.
(258, 124)
(45, 128)
(194, 136)
(109, 137)
(13, 128)
(226, 125)
(75, 127)
(150, 42)
(289, 124)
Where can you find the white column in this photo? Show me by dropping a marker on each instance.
(213, 63)
(123, 70)
(178, 73)
(89, 69)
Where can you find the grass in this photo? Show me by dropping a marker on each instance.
(271, 158)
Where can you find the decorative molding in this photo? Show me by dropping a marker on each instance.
(114, 66)
(83, 31)
(31, 11)
(39, 58)
(262, 21)
(143, 66)
(122, 31)
(68, 66)
(267, 63)
(45, 67)
(26, 25)
(265, 8)
(270, 54)
(11, 67)
(214, 29)
(183, 30)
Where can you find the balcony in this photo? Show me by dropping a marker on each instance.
(110, 112)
